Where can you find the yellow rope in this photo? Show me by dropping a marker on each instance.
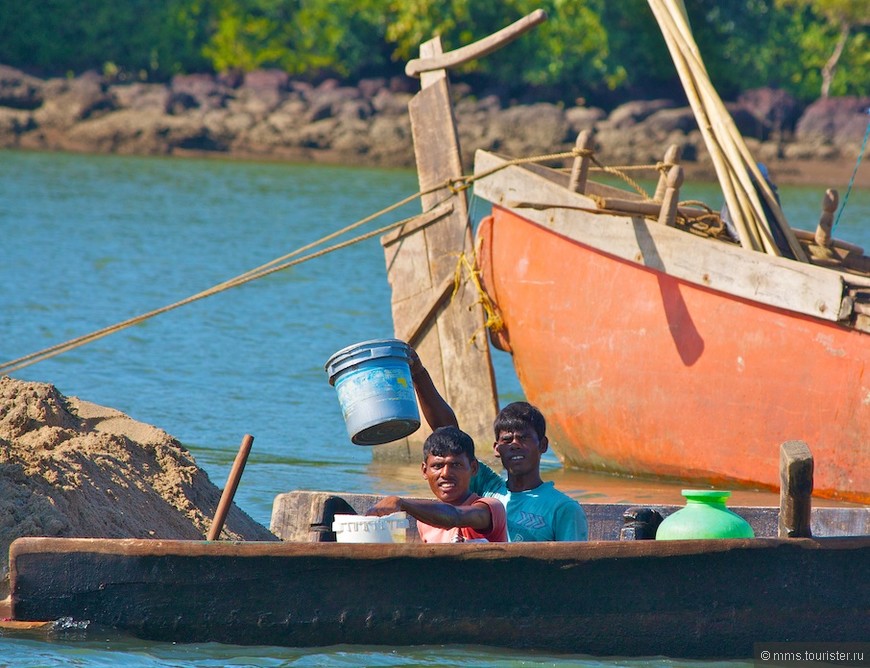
(625, 177)
(471, 269)
(465, 268)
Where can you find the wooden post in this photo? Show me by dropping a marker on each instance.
(229, 492)
(672, 157)
(447, 328)
(668, 214)
(580, 168)
(796, 490)
(826, 220)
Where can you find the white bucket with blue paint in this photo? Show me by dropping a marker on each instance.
(369, 529)
(375, 390)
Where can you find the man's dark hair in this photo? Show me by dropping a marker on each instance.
(519, 415)
(448, 440)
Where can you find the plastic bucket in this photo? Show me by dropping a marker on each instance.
(369, 529)
(374, 387)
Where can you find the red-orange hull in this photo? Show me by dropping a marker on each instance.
(639, 372)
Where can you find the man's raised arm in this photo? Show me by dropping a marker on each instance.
(436, 410)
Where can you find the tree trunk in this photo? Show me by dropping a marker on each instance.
(831, 66)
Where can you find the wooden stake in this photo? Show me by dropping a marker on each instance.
(826, 221)
(796, 489)
(668, 213)
(229, 492)
(672, 157)
(580, 168)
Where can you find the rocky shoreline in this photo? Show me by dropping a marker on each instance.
(269, 116)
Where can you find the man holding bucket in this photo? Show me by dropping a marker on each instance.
(458, 515)
(536, 510)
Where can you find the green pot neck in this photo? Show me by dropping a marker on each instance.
(706, 497)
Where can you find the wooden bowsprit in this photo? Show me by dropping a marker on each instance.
(440, 317)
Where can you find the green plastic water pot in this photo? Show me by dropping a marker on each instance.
(704, 516)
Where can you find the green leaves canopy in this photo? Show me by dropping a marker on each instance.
(599, 49)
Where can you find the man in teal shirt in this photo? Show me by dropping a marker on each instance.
(536, 510)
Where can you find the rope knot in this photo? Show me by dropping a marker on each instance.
(579, 152)
(458, 184)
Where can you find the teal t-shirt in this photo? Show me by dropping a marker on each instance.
(543, 513)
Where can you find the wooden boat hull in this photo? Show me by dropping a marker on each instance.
(681, 598)
(649, 358)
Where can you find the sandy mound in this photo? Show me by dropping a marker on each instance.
(72, 468)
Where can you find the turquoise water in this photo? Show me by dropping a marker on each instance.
(89, 241)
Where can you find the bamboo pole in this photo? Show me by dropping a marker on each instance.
(734, 165)
(678, 36)
(749, 237)
(738, 155)
(743, 157)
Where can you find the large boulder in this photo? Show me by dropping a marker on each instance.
(774, 108)
(67, 102)
(584, 118)
(837, 121)
(19, 90)
(631, 113)
(535, 129)
(204, 89)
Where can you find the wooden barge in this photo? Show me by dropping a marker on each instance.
(608, 597)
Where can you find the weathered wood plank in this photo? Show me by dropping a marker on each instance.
(796, 490)
(774, 281)
(428, 311)
(417, 223)
(453, 345)
(294, 512)
(439, 62)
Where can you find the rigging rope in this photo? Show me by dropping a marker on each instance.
(278, 264)
(854, 172)
(453, 186)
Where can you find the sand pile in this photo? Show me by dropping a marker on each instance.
(75, 469)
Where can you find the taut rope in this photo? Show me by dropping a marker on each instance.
(453, 186)
(271, 267)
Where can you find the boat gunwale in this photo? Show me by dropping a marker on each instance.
(767, 280)
(577, 551)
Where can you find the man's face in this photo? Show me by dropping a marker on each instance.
(449, 477)
(520, 450)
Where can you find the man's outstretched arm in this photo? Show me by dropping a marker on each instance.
(436, 410)
(477, 516)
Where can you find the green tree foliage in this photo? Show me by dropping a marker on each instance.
(744, 44)
(834, 45)
(568, 52)
(344, 37)
(603, 50)
(152, 37)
